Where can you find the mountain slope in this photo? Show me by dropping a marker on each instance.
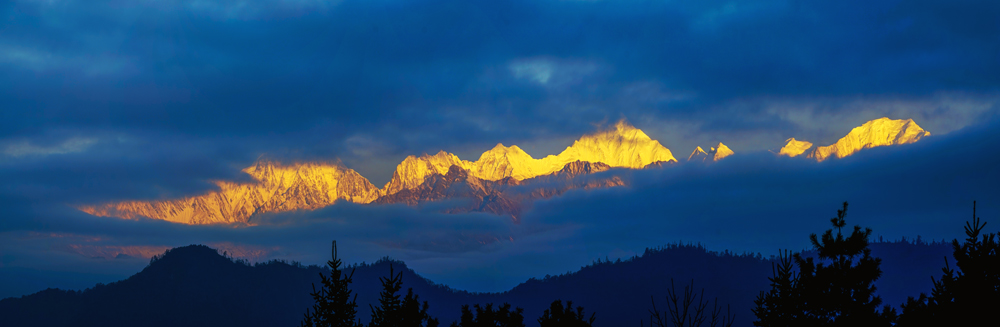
(308, 186)
(623, 146)
(721, 151)
(875, 133)
(794, 147)
(716, 153)
(508, 196)
(698, 154)
(195, 286)
(279, 188)
(486, 182)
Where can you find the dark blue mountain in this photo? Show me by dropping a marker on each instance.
(196, 286)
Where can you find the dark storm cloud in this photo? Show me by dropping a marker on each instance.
(301, 78)
(97, 168)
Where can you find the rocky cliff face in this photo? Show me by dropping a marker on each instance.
(413, 170)
(278, 188)
(507, 196)
(473, 194)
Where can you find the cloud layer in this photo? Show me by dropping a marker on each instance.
(750, 202)
(118, 100)
(371, 82)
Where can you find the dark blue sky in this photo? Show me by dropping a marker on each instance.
(111, 100)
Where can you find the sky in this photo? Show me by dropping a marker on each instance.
(137, 100)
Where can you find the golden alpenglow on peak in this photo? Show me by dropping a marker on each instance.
(278, 188)
(623, 146)
(716, 153)
(721, 151)
(502, 162)
(875, 133)
(794, 147)
(308, 186)
(413, 170)
(698, 154)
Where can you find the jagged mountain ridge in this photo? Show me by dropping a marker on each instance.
(716, 153)
(308, 186)
(504, 180)
(278, 188)
(874, 133)
(794, 147)
(507, 196)
(624, 146)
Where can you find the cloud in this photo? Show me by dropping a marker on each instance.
(25, 148)
(537, 70)
(748, 202)
(303, 77)
(545, 70)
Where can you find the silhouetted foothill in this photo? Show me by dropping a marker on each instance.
(196, 286)
(965, 297)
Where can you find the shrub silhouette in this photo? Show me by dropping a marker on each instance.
(837, 291)
(966, 297)
(557, 316)
(689, 311)
(503, 316)
(334, 305)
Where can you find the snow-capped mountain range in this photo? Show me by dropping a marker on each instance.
(504, 180)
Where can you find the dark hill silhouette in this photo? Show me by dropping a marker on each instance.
(196, 286)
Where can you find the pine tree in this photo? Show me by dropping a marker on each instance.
(393, 312)
(557, 316)
(333, 303)
(388, 313)
(968, 296)
(780, 306)
(839, 290)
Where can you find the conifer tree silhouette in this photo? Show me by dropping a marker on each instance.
(837, 291)
(966, 297)
(393, 312)
(503, 316)
(334, 306)
(557, 316)
(388, 312)
(781, 305)
(415, 314)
